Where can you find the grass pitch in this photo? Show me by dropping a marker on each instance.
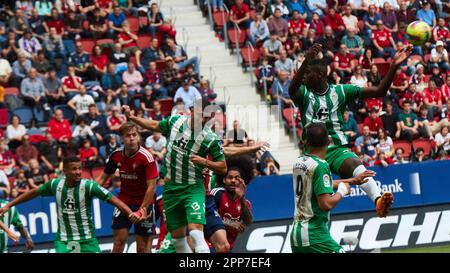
(428, 249)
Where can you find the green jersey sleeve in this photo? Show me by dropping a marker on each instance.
(98, 191)
(46, 189)
(322, 183)
(166, 124)
(297, 98)
(16, 219)
(352, 92)
(215, 150)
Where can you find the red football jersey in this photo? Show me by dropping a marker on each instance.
(125, 37)
(442, 34)
(343, 60)
(134, 171)
(298, 26)
(229, 209)
(382, 38)
(432, 97)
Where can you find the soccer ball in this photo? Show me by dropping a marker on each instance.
(419, 32)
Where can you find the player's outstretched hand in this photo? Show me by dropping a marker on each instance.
(3, 210)
(29, 245)
(133, 217)
(313, 51)
(362, 178)
(13, 237)
(126, 110)
(263, 144)
(401, 55)
(240, 189)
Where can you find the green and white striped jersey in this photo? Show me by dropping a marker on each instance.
(73, 206)
(9, 218)
(328, 108)
(311, 177)
(182, 142)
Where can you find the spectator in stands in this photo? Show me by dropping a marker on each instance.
(115, 21)
(7, 160)
(405, 14)
(317, 6)
(111, 80)
(119, 58)
(97, 25)
(383, 160)
(128, 40)
(26, 152)
(439, 56)
(399, 83)
(171, 76)
(99, 61)
(272, 47)
(54, 47)
(80, 102)
(334, 19)
(278, 4)
(148, 99)
(44, 7)
(441, 32)
(425, 124)
(156, 144)
(59, 128)
(29, 45)
(18, 23)
(400, 156)
(391, 122)
(437, 77)
(265, 73)
(383, 41)
(21, 185)
(83, 131)
(279, 26)
(354, 43)
(15, 133)
(54, 21)
(206, 92)
(297, 25)
(419, 155)
(155, 19)
(259, 31)
(71, 83)
(179, 56)
(350, 126)
(284, 64)
(81, 62)
(385, 144)
(419, 78)
(74, 26)
(188, 93)
(359, 142)
(294, 47)
(157, 114)
(236, 136)
(358, 77)
(270, 167)
(11, 49)
(374, 122)
(310, 38)
(369, 150)
(125, 97)
(388, 17)
(426, 14)
(350, 20)
(36, 176)
(408, 122)
(115, 120)
(41, 64)
(88, 156)
(151, 54)
(443, 140)
(329, 42)
(154, 78)
(263, 8)
(432, 99)
(280, 93)
(317, 24)
(33, 91)
(96, 122)
(133, 79)
(20, 69)
(112, 145)
(343, 65)
(240, 15)
(4, 186)
(109, 101)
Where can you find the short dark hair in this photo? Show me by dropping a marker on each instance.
(407, 102)
(241, 163)
(70, 159)
(317, 135)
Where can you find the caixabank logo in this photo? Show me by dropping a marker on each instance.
(359, 232)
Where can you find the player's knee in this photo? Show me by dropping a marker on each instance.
(223, 247)
(350, 164)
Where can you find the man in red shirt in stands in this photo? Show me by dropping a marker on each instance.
(400, 83)
(334, 20)
(441, 32)
(240, 14)
(433, 99)
(297, 25)
(71, 83)
(374, 122)
(383, 41)
(416, 98)
(128, 40)
(59, 128)
(54, 21)
(342, 62)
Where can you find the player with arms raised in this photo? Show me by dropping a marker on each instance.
(190, 142)
(138, 174)
(322, 102)
(76, 231)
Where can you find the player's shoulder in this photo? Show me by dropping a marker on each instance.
(217, 191)
(145, 154)
(116, 152)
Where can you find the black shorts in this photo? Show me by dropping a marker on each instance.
(146, 228)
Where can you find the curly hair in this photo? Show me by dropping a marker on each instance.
(243, 164)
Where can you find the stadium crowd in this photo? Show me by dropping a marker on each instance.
(358, 40)
(67, 67)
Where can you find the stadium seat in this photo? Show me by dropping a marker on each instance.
(406, 145)
(361, 25)
(249, 55)
(34, 131)
(426, 58)
(144, 41)
(425, 144)
(88, 45)
(240, 36)
(4, 117)
(218, 19)
(68, 112)
(101, 42)
(11, 91)
(287, 115)
(41, 118)
(25, 114)
(166, 105)
(97, 171)
(360, 126)
(133, 60)
(134, 24)
(85, 174)
(11, 181)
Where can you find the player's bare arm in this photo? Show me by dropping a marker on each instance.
(358, 180)
(328, 201)
(148, 197)
(29, 245)
(123, 208)
(233, 151)
(247, 216)
(20, 199)
(381, 90)
(219, 167)
(149, 124)
(103, 178)
(296, 82)
(11, 235)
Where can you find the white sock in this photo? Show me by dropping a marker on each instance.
(198, 239)
(181, 245)
(370, 187)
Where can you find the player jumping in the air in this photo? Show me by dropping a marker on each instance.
(314, 198)
(319, 101)
(12, 218)
(138, 174)
(76, 231)
(190, 142)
